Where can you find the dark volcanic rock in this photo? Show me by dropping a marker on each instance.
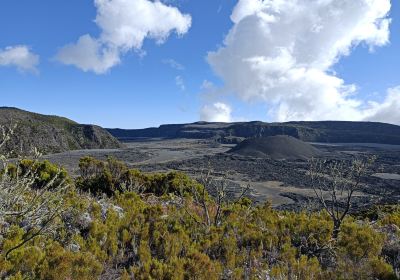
(52, 134)
(276, 147)
(324, 131)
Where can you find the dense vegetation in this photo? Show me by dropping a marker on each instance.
(113, 222)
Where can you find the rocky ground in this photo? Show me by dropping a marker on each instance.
(284, 183)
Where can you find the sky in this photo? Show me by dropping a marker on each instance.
(142, 63)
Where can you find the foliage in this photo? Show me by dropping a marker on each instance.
(31, 199)
(156, 231)
(113, 176)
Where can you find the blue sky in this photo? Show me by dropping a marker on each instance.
(147, 90)
(375, 71)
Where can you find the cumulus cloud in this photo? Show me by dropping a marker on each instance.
(216, 112)
(124, 24)
(387, 111)
(282, 52)
(20, 57)
(89, 54)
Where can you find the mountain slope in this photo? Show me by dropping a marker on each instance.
(323, 131)
(276, 147)
(51, 134)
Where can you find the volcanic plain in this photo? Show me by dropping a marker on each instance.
(281, 181)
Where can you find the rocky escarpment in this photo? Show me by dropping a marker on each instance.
(52, 134)
(324, 131)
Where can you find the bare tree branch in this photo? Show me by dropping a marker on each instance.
(22, 202)
(339, 181)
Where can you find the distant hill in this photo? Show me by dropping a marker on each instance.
(275, 147)
(323, 131)
(51, 134)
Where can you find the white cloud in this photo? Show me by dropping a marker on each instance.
(282, 52)
(89, 54)
(216, 112)
(124, 24)
(180, 83)
(388, 111)
(173, 64)
(20, 57)
(207, 85)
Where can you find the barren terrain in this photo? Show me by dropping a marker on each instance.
(282, 182)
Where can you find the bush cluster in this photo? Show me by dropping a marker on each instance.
(154, 230)
(111, 176)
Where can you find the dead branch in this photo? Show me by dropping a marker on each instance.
(334, 184)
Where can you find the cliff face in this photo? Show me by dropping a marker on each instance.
(52, 134)
(325, 131)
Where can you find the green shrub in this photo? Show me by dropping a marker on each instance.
(113, 176)
(157, 236)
